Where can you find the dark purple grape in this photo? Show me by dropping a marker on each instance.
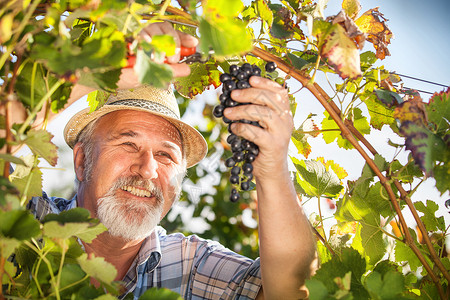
(230, 162)
(235, 170)
(229, 85)
(234, 197)
(218, 111)
(231, 103)
(241, 76)
(256, 71)
(236, 145)
(234, 179)
(245, 185)
(247, 168)
(234, 70)
(254, 149)
(243, 84)
(223, 98)
(250, 157)
(231, 138)
(238, 156)
(246, 66)
(271, 66)
(249, 176)
(246, 144)
(225, 77)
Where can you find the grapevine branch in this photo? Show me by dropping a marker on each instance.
(346, 133)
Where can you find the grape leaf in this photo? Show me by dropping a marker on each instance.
(349, 261)
(412, 110)
(373, 24)
(351, 7)
(340, 50)
(403, 253)
(150, 72)
(20, 178)
(317, 181)
(263, 11)
(389, 285)
(97, 99)
(40, 144)
(98, 268)
(282, 26)
(317, 290)
(300, 136)
(388, 98)
(338, 170)
(18, 224)
(202, 76)
(70, 274)
(429, 218)
(425, 147)
(296, 61)
(438, 112)
(380, 114)
(332, 132)
(369, 242)
(442, 177)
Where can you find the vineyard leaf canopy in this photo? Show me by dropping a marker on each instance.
(201, 77)
(351, 7)
(429, 216)
(40, 144)
(315, 180)
(438, 113)
(98, 268)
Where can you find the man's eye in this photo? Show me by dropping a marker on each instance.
(128, 144)
(166, 155)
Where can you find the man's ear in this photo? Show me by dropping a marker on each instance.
(78, 161)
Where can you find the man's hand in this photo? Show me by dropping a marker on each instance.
(128, 78)
(287, 247)
(270, 107)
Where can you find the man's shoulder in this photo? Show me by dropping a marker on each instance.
(43, 205)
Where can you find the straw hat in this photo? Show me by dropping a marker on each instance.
(145, 98)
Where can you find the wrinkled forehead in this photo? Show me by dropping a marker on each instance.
(132, 120)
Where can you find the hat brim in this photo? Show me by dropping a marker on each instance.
(194, 144)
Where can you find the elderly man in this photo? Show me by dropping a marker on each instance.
(130, 157)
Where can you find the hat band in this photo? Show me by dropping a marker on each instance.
(148, 105)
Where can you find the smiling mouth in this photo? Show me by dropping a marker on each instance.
(137, 191)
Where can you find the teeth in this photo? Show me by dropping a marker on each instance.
(136, 191)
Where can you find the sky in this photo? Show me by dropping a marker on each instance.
(419, 49)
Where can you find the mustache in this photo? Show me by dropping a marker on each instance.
(136, 181)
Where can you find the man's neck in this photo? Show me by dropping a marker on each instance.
(115, 250)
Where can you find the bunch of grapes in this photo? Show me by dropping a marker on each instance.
(244, 151)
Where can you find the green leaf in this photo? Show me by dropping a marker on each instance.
(100, 80)
(9, 272)
(8, 246)
(27, 179)
(438, 112)
(164, 43)
(71, 274)
(369, 242)
(296, 61)
(97, 99)
(404, 254)
(317, 181)
(219, 9)
(150, 72)
(340, 50)
(263, 11)
(226, 38)
(406, 173)
(349, 261)
(425, 146)
(160, 294)
(40, 144)
(73, 222)
(332, 131)
(317, 290)
(380, 114)
(18, 224)
(385, 286)
(442, 177)
(201, 77)
(367, 58)
(429, 218)
(98, 268)
(388, 98)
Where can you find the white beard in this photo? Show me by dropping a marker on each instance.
(131, 220)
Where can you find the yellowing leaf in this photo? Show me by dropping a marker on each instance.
(201, 77)
(300, 136)
(373, 24)
(351, 7)
(412, 111)
(340, 50)
(340, 172)
(40, 144)
(27, 179)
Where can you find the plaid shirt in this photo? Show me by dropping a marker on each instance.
(193, 267)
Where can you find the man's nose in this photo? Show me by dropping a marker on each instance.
(145, 165)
